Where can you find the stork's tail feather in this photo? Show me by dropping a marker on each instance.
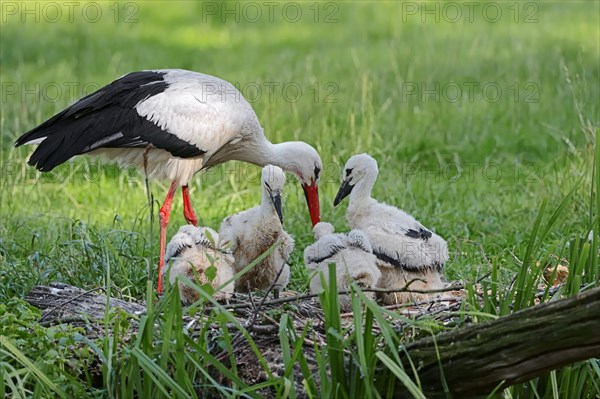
(104, 118)
(30, 138)
(37, 134)
(48, 154)
(50, 137)
(54, 144)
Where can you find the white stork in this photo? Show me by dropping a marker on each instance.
(353, 258)
(193, 250)
(405, 249)
(172, 123)
(251, 233)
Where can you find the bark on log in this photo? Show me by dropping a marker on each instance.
(512, 349)
(62, 300)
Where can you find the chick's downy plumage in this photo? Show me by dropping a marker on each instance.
(353, 258)
(192, 251)
(251, 233)
(405, 249)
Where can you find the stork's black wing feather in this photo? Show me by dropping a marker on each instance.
(393, 258)
(179, 251)
(358, 239)
(324, 253)
(106, 118)
(422, 233)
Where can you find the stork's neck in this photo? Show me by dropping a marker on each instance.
(361, 194)
(267, 209)
(266, 206)
(263, 152)
(285, 155)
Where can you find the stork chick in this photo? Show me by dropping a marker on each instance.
(353, 258)
(251, 233)
(193, 250)
(404, 248)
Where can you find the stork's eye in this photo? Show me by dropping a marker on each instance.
(348, 171)
(317, 172)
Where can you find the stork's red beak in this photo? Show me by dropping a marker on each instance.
(311, 192)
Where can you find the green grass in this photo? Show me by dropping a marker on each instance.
(507, 181)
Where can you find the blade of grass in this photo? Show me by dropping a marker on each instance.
(335, 347)
(442, 376)
(21, 358)
(308, 382)
(401, 375)
(523, 272)
(284, 328)
(159, 376)
(554, 384)
(222, 368)
(221, 310)
(170, 318)
(9, 377)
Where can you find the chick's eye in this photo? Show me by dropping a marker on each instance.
(348, 171)
(268, 187)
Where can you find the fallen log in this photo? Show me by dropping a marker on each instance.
(524, 345)
(471, 360)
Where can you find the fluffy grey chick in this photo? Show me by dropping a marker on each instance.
(353, 258)
(193, 250)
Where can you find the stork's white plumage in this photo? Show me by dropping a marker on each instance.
(405, 249)
(172, 123)
(193, 250)
(251, 233)
(353, 258)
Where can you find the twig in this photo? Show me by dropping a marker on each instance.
(430, 303)
(272, 285)
(262, 302)
(379, 290)
(252, 318)
(263, 328)
(64, 320)
(551, 291)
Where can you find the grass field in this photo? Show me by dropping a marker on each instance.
(477, 114)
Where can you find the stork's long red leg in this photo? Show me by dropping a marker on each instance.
(188, 211)
(163, 216)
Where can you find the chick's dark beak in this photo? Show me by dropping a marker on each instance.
(343, 192)
(276, 200)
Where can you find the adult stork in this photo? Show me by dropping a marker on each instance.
(173, 123)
